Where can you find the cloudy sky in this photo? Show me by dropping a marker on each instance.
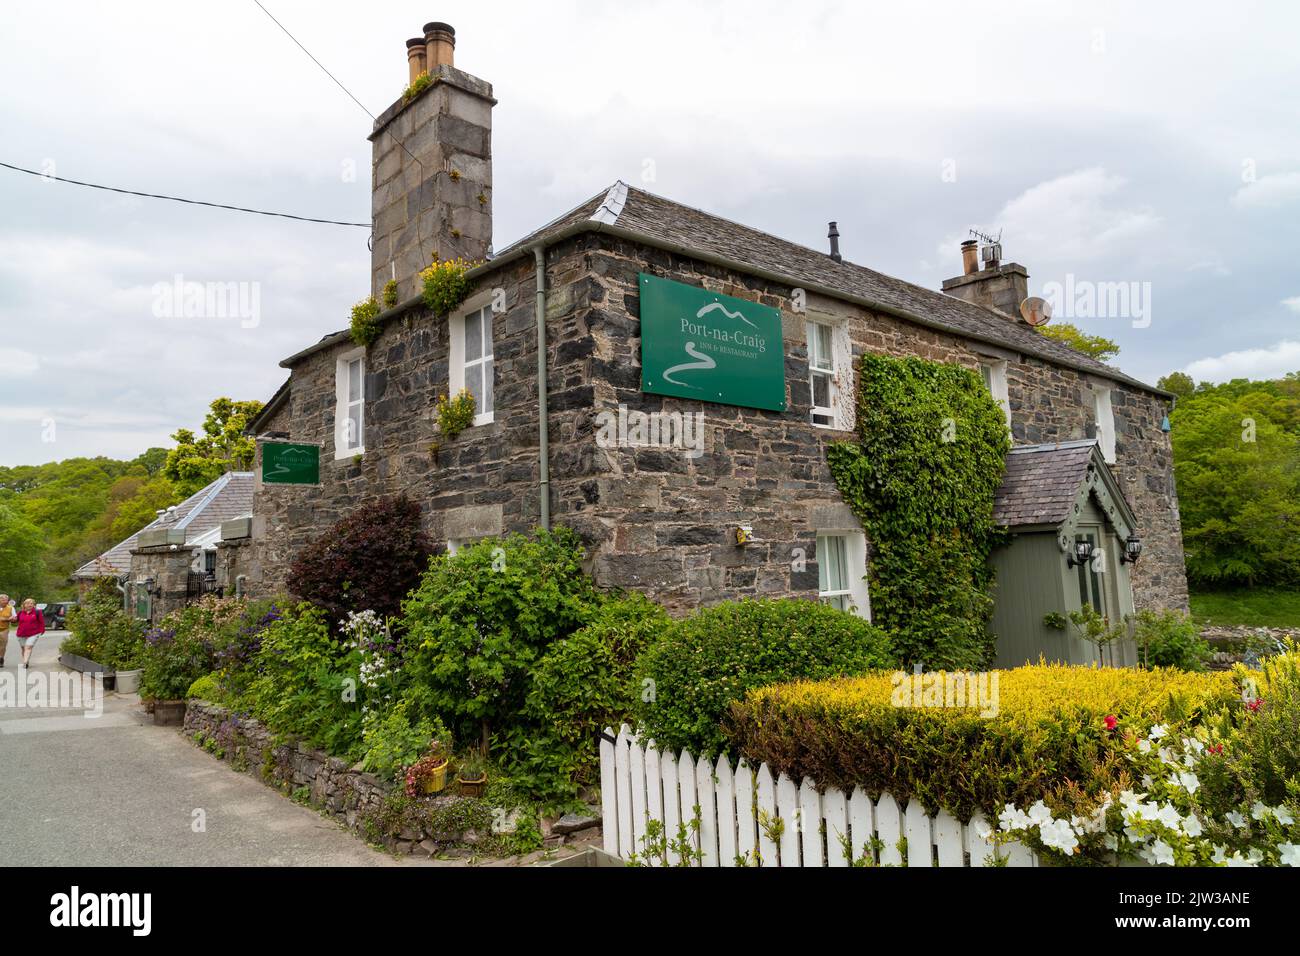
(1146, 144)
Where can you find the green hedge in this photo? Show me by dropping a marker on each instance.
(705, 662)
(1049, 739)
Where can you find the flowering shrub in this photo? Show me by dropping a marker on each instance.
(1048, 741)
(216, 636)
(455, 414)
(370, 559)
(305, 685)
(364, 326)
(1168, 822)
(445, 284)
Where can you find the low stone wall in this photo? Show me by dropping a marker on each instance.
(443, 825)
(1230, 645)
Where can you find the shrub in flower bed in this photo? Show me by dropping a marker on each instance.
(480, 621)
(705, 662)
(1223, 791)
(103, 632)
(1057, 735)
(369, 560)
(582, 684)
(213, 635)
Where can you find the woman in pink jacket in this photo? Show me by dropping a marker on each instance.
(31, 625)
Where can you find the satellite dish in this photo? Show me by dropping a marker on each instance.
(1036, 310)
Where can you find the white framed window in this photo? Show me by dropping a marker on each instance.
(994, 373)
(842, 571)
(350, 404)
(821, 373)
(1105, 423)
(472, 366)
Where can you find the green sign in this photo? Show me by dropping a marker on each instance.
(289, 464)
(703, 345)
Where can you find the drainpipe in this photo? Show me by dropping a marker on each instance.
(543, 440)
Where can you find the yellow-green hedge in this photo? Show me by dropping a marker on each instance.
(1049, 739)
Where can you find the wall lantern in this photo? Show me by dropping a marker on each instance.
(151, 586)
(1132, 549)
(1082, 554)
(744, 535)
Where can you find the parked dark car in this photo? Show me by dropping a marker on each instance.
(56, 614)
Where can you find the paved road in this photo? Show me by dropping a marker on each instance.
(116, 790)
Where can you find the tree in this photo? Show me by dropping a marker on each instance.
(1237, 462)
(1180, 383)
(22, 570)
(197, 461)
(1102, 349)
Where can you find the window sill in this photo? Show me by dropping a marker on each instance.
(352, 453)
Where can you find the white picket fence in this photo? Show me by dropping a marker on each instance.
(739, 810)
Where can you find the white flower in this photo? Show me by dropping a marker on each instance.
(1163, 853)
(1259, 811)
(1158, 731)
(1187, 780)
(1039, 813)
(1147, 781)
(982, 829)
(1237, 860)
(1012, 818)
(1236, 819)
(1144, 745)
(1058, 834)
(1166, 755)
(1288, 854)
(1283, 816)
(1128, 799)
(1169, 816)
(1110, 842)
(1192, 825)
(1220, 854)
(1148, 811)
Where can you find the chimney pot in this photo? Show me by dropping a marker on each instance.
(415, 57)
(439, 45)
(969, 256)
(833, 233)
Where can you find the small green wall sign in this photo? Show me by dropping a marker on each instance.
(715, 348)
(290, 464)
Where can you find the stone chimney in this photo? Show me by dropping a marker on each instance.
(1000, 286)
(431, 168)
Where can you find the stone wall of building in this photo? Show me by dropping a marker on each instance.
(658, 519)
(484, 482)
(170, 571)
(665, 522)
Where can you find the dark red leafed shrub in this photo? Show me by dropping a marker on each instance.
(368, 561)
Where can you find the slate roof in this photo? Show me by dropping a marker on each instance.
(639, 215)
(1041, 483)
(230, 496)
(683, 227)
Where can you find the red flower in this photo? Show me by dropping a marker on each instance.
(1216, 749)
(1111, 721)
(1253, 705)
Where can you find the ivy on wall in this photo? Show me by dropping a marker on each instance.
(931, 450)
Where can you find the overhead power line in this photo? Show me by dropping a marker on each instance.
(415, 159)
(314, 60)
(192, 202)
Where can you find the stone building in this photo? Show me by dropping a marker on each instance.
(575, 427)
(174, 558)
